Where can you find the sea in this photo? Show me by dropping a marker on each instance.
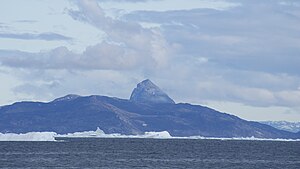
(142, 153)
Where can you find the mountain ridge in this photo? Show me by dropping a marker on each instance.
(126, 116)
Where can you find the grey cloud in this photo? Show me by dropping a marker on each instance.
(201, 82)
(251, 52)
(133, 1)
(137, 43)
(49, 36)
(4, 26)
(50, 84)
(262, 36)
(98, 57)
(247, 54)
(127, 46)
(39, 91)
(26, 21)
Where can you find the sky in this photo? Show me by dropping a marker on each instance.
(241, 57)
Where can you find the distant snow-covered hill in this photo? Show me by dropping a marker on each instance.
(284, 125)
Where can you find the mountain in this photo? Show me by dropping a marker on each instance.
(148, 92)
(148, 109)
(284, 125)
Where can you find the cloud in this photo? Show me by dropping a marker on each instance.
(262, 36)
(49, 36)
(201, 82)
(101, 56)
(127, 45)
(37, 91)
(251, 52)
(4, 26)
(246, 54)
(46, 85)
(26, 21)
(134, 1)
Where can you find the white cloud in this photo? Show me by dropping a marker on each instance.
(245, 55)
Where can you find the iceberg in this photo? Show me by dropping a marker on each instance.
(162, 134)
(31, 136)
(51, 136)
(237, 138)
(100, 134)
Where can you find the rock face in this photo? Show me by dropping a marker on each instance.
(149, 109)
(148, 92)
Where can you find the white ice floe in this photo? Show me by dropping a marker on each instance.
(162, 134)
(31, 136)
(100, 134)
(50, 136)
(240, 138)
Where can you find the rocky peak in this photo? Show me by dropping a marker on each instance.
(66, 98)
(147, 92)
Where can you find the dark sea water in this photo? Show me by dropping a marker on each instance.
(150, 153)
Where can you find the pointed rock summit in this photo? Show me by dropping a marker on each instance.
(148, 92)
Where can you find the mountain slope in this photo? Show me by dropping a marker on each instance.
(75, 113)
(284, 125)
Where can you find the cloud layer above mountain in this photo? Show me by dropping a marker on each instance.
(247, 52)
